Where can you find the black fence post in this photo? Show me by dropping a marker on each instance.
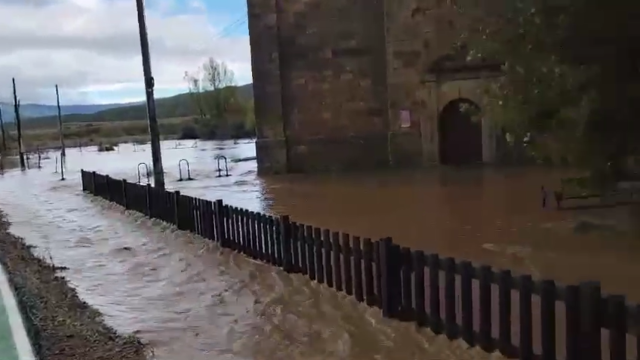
(337, 263)
(590, 320)
(450, 302)
(285, 231)
(386, 267)
(466, 302)
(93, 183)
(572, 321)
(505, 282)
(125, 202)
(347, 257)
(526, 316)
(404, 270)
(176, 209)
(326, 251)
(219, 219)
(435, 320)
(418, 260)
(548, 294)
(357, 269)
(367, 258)
(148, 192)
(83, 175)
(107, 180)
(485, 277)
(618, 327)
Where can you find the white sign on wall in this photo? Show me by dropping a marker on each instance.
(405, 118)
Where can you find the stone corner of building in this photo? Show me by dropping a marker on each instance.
(271, 155)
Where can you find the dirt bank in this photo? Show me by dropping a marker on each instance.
(60, 324)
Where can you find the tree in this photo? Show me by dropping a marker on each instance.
(220, 81)
(571, 76)
(250, 118)
(213, 91)
(194, 83)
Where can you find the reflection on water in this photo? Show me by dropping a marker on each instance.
(193, 300)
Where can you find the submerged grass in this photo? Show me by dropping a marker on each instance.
(60, 324)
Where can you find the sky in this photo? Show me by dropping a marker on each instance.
(91, 48)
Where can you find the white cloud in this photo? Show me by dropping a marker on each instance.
(89, 47)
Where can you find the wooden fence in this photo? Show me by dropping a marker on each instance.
(516, 315)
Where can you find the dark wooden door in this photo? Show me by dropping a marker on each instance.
(460, 136)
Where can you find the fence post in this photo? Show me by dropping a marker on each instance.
(106, 182)
(285, 231)
(617, 321)
(548, 295)
(219, 219)
(176, 208)
(149, 200)
(572, 320)
(590, 320)
(386, 302)
(125, 203)
(93, 182)
(83, 175)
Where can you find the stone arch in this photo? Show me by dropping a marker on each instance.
(460, 133)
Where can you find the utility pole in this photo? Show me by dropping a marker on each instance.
(154, 133)
(4, 135)
(16, 108)
(63, 152)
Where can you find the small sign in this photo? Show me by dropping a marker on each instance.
(405, 118)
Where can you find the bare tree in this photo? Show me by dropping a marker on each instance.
(219, 81)
(213, 92)
(194, 83)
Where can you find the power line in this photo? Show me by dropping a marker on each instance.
(230, 27)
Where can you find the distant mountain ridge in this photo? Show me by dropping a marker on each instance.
(40, 110)
(174, 106)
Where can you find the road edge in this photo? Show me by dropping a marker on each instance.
(21, 340)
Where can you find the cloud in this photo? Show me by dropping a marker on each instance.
(91, 48)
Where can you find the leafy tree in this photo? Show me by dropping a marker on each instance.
(572, 77)
(250, 117)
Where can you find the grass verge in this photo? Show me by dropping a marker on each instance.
(60, 325)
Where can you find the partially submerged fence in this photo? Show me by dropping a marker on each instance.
(493, 309)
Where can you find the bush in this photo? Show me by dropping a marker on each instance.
(106, 147)
(188, 132)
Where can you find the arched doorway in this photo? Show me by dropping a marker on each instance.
(460, 134)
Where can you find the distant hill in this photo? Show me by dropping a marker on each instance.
(174, 106)
(39, 110)
(170, 107)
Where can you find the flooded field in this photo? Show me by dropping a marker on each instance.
(194, 301)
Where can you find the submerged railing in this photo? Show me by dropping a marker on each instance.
(450, 297)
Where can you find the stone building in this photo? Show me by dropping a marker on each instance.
(363, 84)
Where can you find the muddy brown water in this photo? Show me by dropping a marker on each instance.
(190, 300)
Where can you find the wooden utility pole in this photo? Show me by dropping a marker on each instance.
(16, 108)
(154, 132)
(63, 152)
(4, 135)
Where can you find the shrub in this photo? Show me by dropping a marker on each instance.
(106, 147)
(188, 132)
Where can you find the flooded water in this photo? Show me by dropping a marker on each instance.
(192, 300)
